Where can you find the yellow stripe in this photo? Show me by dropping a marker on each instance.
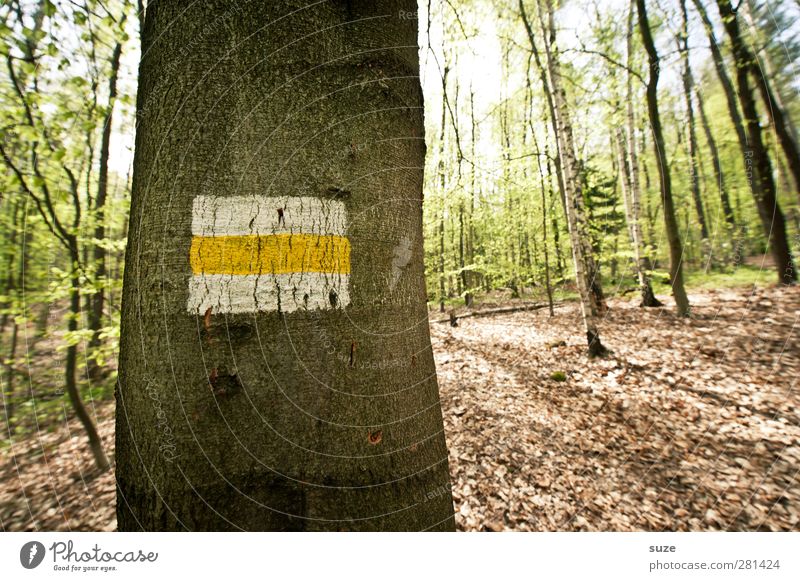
(273, 254)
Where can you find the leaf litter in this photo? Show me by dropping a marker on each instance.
(689, 424)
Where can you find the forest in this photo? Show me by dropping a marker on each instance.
(463, 265)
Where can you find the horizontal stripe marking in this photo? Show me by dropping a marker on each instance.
(275, 254)
(287, 293)
(263, 215)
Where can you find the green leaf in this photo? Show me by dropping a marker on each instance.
(48, 8)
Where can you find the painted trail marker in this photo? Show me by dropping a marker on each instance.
(259, 253)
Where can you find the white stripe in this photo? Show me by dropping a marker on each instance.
(264, 215)
(225, 293)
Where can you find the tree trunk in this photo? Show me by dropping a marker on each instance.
(756, 152)
(719, 177)
(469, 278)
(544, 189)
(634, 197)
(631, 216)
(670, 221)
(553, 219)
(731, 100)
(650, 213)
(694, 163)
(71, 363)
(95, 315)
(296, 389)
(462, 273)
(11, 272)
(442, 191)
(751, 170)
(551, 107)
(773, 103)
(8, 387)
(585, 268)
(15, 283)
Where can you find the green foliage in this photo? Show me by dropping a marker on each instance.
(606, 217)
(54, 96)
(499, 188)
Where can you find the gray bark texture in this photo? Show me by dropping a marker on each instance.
(308, 420)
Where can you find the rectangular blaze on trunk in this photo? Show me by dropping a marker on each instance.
(260, 253)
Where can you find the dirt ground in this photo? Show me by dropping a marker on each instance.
(688, 424)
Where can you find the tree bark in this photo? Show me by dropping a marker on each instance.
(442, 190)
(95, 315)
(553, 218)
(469, 276)
(548, 94)
(645, 287)
(12, 284)
(586, 272)
(773, 103)
(688, 85)
(11, 271)
(670, 221)
(633, 199)
(730, 98)
(71, 363)
(292, 414)
(719, 177)
(756, 152)
(722, 73)
(544, 189)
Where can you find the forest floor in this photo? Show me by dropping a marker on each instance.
(689, 424)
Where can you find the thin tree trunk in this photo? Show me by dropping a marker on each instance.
(551, 107)
(773, 104)
(462, 273)
(71, 364)
(771, 74)
(649, 212)
(756, 153)
(670, 221)
(688, 85)
(469, 278)
(11, 272)
(719, 177)
(14, 281)
(553, 218)
(95, 315)
(646, 289)
(280, 401)
(634, 197)
(443, 192)
(9, 396)
(508, 196)
(722, 73)
(544, 188)
(585, 268)
(733, 108)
